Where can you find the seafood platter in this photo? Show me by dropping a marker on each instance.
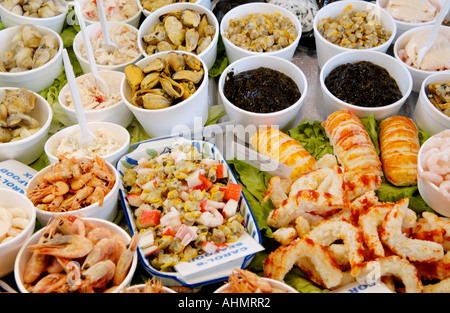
(232, 146)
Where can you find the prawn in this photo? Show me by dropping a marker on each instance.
(439, 163)
(243, 281)
(432, 177)
(211, 218)
(444, 189)
(66, 246)
(105, 249)
(125, 260)
(50, 283)
(97, 276)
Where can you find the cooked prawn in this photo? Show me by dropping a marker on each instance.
(243, 281)
(98, 276)
(105, 249)
(50, 283)
(66, 246)
(125, 260)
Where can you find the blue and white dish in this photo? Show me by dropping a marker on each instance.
(153, 147)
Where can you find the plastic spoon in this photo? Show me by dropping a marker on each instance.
(108, 44)
(90, 54)
(85, 134)
(436, 26)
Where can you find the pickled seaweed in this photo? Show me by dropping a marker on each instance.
(261, 90)
(363, 84)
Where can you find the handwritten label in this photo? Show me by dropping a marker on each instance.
(15, 175)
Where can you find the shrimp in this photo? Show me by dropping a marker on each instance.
(105, 249)
(439, 163)
(444, 189)
(432, 177)
(66, 246)
(97, 276)
(211, 218)
(98, 234)
(81, 181)
(50, 283)
(125, 260)
(243, 281)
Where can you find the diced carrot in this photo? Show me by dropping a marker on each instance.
(150, 218)
(233, 191)
(134, 199)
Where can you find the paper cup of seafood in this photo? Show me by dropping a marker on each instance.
(27, 122)
(166, 104)
(111, 142)
(149, 6)
(17, 221)
(411, 14)
(243, 281)
(127, 52)
(286, 28)
(182, 26)
(81, 187)
(51, 14)
(374, 29)
(98, 106)
(126, 11)
(31, 57)
(70, 246)
(436, 60)
(432, 113)
(194, 222)
(433, 172)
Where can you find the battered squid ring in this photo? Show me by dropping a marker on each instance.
(392, 266)
(310, 256)
(328, 231)
(413, 249)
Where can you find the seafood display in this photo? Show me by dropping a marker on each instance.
(354, 29)
(261, 32)
(437, 57)
(184, 206)
(435, 162)
(127, 48)
(439, 95)
(304, 10)
(12, 222)
(35, 8)
(115, 10)
(103, 144)
(16, 120)
(413, 11)
(92, 96)
(363, 84)
(28, 49)
(152, 5)
(165, 81)
(261, 90)
(74, 255)
(185, 30)
(72, 184)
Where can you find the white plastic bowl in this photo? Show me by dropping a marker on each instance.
(418, 76)
(403, 26)
(107, 211)
(24, 253)
(187, 114)
(55, 23)
(235, 53)
(133, 21)
(119, 133)
(10, 249)
(27, 150)
(204, 3)
(209, 54)
(141, 287)
(395, 68)
(35, 79)
(273, 282)
(117, 113)
(429, 191)
(427, 116)
(93, 30)
(326, 50)
(283, 119)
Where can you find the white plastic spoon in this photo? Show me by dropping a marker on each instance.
(85, 134)
(107, 43)
(89, 52)
(436, 26)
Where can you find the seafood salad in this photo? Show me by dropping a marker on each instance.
(152, 5)
(92, 96)
(115, 10)
(28, 49)
(185, 30)
(72, 184)
(103, 144)
(413, 11)
(127, 48)
(183, 204)
(75, 255)
(15, 115)
(35, 8)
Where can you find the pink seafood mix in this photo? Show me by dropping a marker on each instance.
(413, 11)
(435, 162)
(115, 10)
